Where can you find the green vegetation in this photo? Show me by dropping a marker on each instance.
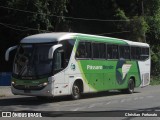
(136, 20)
(155, 80)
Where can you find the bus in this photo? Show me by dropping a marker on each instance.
(58, 64)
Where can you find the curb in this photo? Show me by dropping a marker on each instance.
(5, 91)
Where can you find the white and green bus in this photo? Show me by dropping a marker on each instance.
(56, 64)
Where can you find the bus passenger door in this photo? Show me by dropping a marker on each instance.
(59, 74)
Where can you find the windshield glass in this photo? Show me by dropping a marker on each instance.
(32, 60)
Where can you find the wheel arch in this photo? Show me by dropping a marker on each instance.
(79, 81)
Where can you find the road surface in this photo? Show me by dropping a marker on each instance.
(143, 99)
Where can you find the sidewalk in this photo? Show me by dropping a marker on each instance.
(5, 91)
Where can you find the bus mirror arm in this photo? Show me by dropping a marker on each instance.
(52, 50)
(8, 51)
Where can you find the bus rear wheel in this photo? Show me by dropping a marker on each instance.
(131, 86)
(76, 91)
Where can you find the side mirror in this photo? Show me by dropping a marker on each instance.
(8, 51)
(52, 50)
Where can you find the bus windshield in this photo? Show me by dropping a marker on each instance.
(31, 60)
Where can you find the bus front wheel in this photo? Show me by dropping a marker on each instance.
(76, 92)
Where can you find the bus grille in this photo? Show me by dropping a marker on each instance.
(23, 87)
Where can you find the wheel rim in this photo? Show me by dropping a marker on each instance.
(131, 86)
(76, 91)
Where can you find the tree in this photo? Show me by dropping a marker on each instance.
(93, 9)
(20, 18)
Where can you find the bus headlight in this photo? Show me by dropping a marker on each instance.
(13, 83)
(45, 84)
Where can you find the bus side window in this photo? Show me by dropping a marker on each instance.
(67, 47)
(124, 52)
(112, 52)
(88, 49)
(138, 51)
(102, 50)
(144, 53)
(121, 51)
(109, 51)
(95, 47)
(59, 60)
(99, 50)
(83, 50)
(135, 53)
(127, 52)
(115, 52)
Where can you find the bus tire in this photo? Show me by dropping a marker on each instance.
(131, 86)
(76, 91)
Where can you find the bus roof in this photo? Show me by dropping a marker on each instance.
(58, 36)
(48, 37)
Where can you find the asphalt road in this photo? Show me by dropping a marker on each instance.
(144, 99)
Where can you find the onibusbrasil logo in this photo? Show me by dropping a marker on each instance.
(21, 114)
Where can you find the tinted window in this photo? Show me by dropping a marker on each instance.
(84, 50)
(95, 47)
(88, 49)
(99, 50)
(67, 48)
(109, 51)
(124, 52)
(144, 53)
(102, 50)
(135, 53)
(112, 52)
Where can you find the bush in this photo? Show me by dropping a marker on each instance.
(155, 80)
(155, 60)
